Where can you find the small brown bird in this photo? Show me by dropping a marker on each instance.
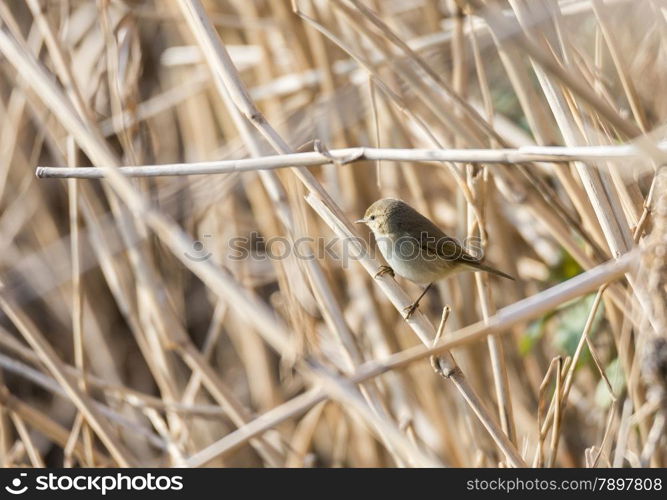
(415, 248)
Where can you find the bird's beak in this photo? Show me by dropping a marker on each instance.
(360, 221)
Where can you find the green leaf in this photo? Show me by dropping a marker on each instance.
(570, 325)
(531, 336)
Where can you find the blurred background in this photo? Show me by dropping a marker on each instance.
(130, 332)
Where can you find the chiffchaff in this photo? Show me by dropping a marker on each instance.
(415, 248)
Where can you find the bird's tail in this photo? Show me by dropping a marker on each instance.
(489, 269)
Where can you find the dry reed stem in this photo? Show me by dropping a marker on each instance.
(342, 157)
(56, 367)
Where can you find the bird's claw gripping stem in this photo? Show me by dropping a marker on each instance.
(410, 310)
(384, 270)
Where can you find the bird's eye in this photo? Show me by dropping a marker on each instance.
(372, 217)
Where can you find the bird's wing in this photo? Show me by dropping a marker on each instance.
(435, 242)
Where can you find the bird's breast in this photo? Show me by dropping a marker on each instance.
(406, 257)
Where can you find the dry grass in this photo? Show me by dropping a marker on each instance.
(130, 334)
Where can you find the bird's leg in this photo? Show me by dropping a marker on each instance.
(409, 311)
(384, 270)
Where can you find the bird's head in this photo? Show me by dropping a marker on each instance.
(378, 214)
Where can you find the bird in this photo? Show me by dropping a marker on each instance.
(415, 248)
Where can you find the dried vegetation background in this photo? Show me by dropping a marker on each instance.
(129, 335)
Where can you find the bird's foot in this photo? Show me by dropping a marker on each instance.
(384, 270)
(410, 310)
